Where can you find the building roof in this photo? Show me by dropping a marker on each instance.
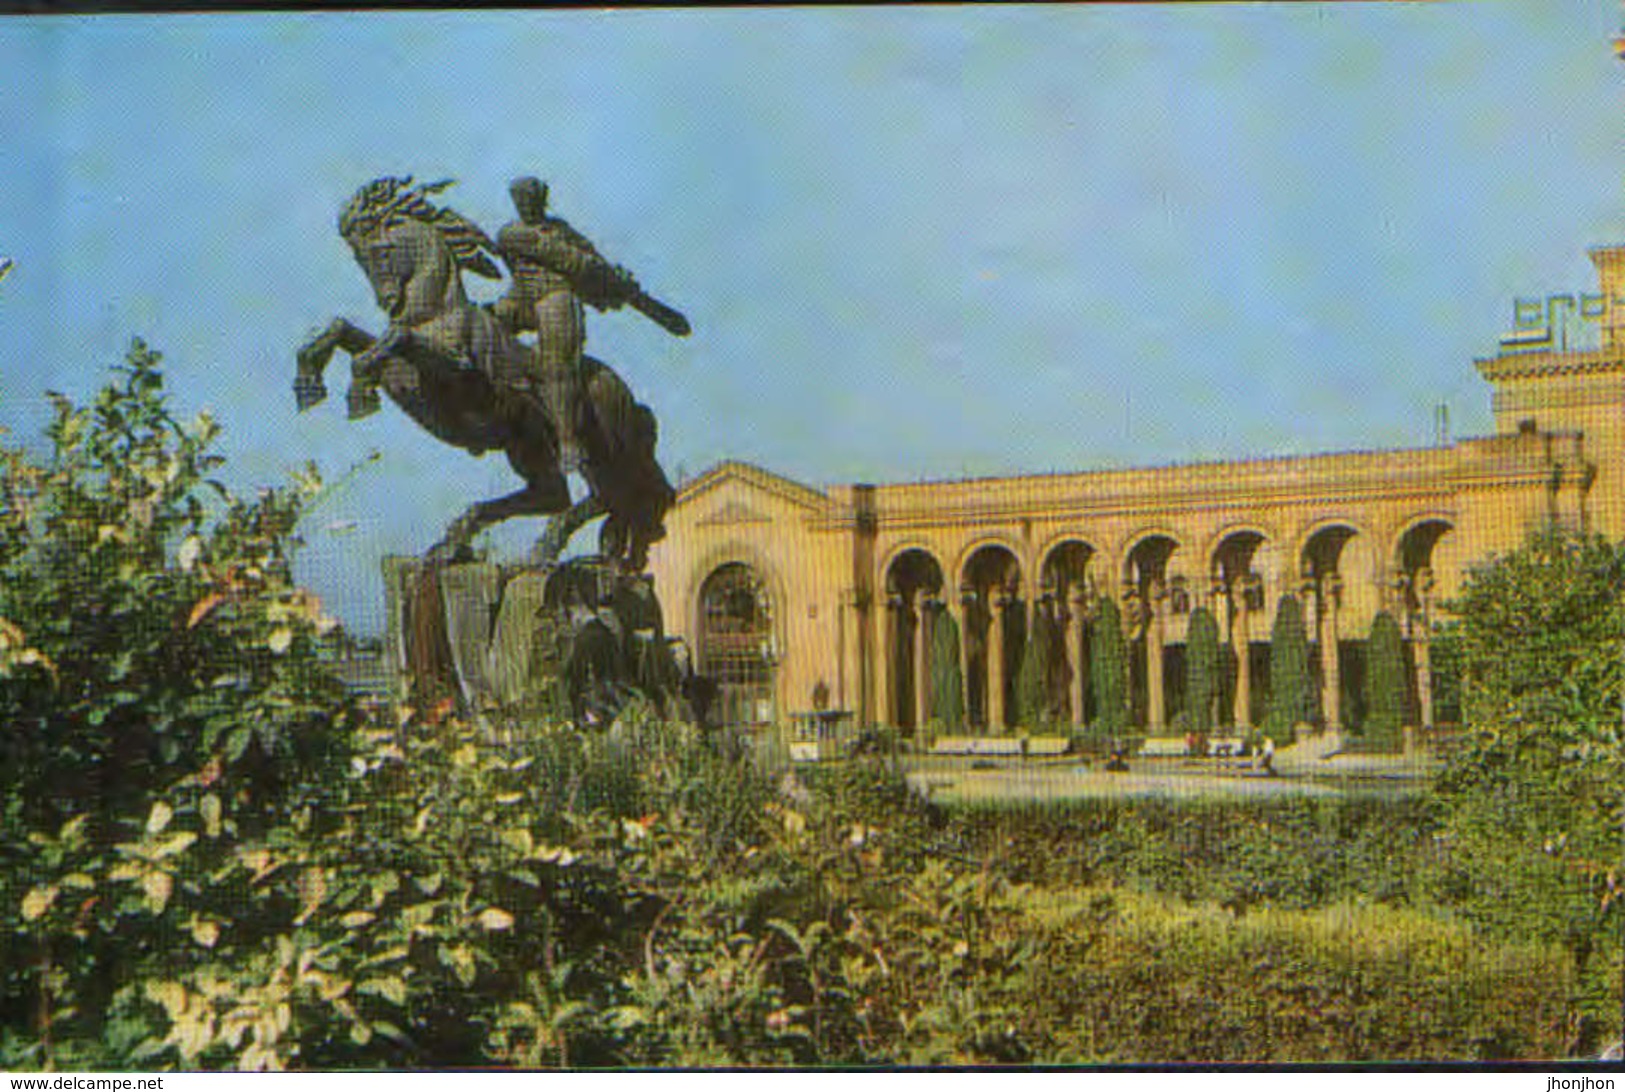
(777, 484)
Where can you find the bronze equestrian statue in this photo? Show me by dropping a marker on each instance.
(461, 370)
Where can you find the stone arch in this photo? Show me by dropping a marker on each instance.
(1416, 537)
(745, 553)
(1009, 543)
(1260, 533)
(1317, 527)
(914, 586)
(909, 545)
(738, 649)
(1240, 597)
(1157, 544)
(1416, 589)
(1151, 593)
(1066, 560)
(1067, 604)
(1326, 584)
(991, 580)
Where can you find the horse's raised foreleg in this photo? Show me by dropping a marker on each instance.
(562, 528)
(314, 355)
(545, 492)
(529, 501)
(367, 371)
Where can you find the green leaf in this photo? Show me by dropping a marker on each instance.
(158, 818)
(209, 808)
(495, 919)
(38, 901)
(237, 743)
(176, 843)
(390, 988)
(312, 890)
(158, 887)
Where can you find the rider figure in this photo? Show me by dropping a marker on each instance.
(555, 270)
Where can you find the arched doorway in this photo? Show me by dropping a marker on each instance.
(1241, 588)
(1067, 603)
(737, 646)
(1151, 596)
(990, 591)
(1417, 598)
(914, 600)
(1323, 581)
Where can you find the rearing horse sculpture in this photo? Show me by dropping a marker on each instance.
(463, 375)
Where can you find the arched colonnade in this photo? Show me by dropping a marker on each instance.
(997, 604)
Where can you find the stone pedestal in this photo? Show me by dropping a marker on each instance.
(472, 632)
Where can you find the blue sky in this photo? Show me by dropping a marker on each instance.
(914, 243)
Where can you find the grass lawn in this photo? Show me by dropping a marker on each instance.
(962, 780)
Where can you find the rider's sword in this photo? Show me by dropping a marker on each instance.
(530, 201)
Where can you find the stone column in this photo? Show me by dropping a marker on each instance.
(967, 611)
(1000, 602)
(1241, 644)
(922, 659)
(849, 686)
(1156, 712)
(1331, 669)
(1077, 690)
(1422, 639)
(885, 675)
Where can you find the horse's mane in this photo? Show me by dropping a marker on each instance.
(387, 201)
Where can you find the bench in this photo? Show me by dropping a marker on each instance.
(1004, 746)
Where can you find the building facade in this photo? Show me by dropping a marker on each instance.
(795, 598)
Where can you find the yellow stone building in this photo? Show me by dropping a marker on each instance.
(797, 598)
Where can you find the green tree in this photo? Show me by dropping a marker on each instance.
(1202, 669)
(1033, 708)
(1291, 689)
(1108, 668)
(1385, 683)
(947, 682)
(1534, 807)
(148, 617)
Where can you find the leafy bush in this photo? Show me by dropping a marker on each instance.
(1292, 699)
(947, 682)
(152, 642)
(1034, 708)
(1301, 985)
(212, 859)
(1202, 666)
(1108, 669)
(148, 617)
(1536, 786)
(1385, 684)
